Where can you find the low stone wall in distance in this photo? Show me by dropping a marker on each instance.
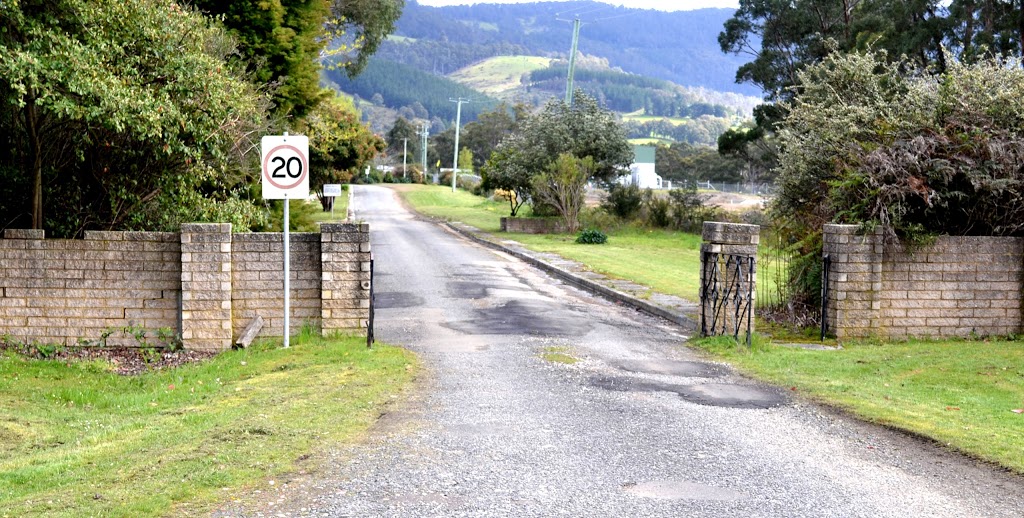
(533, 225)
(956, 287)
(204, 284)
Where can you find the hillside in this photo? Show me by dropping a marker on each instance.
(501, 76)
(680, 46)
(401, 86)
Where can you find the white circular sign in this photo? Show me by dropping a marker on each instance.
(285, 167)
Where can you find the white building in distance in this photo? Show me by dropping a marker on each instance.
(641, 172)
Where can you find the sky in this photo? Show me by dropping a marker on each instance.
(661, 5)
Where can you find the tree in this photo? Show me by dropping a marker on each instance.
(403, 129)
(339, 145)
(283, 41)
(357, 28)
(122, 115)
(581, 130)
(486, 132)
(466, 161)
(562, 186)
(280, 41)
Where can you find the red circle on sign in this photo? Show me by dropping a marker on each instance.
(302, 158)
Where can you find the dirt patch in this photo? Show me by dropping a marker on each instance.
(126, 361)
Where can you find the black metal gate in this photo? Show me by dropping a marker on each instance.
(727, 294)
(369, 322)
(826, 265)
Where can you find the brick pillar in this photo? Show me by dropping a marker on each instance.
(345, 278)
(206, 286)
(855, 280)
(728, 278)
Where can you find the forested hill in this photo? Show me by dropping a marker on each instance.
(681, 46)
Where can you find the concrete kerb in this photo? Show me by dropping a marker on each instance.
(476, 235)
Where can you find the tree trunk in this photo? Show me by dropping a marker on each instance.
(36, 156)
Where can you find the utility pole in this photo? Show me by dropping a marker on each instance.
(423, 133)
(405, 151)
(572, 60)
(458, 121)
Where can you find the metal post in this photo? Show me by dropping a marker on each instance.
(287, 268)
(458, 122)
(424, 132)
(572, 60)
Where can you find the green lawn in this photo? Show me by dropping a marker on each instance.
(439, 201)
(666, 261)
(961, 393)
(78, 440)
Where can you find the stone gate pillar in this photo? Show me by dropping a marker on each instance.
(728, 279)
(206, 286)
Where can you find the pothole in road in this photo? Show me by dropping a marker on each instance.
(728, 395)
(679, 490)
(467, 290)
(671, 368)
(517, 317)
(396, 299)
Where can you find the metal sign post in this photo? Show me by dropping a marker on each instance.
(333, 190)
(285, 175)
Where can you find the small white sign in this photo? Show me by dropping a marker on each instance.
(332, 189)
(285, 160)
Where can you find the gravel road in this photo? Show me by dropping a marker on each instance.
(503, 425)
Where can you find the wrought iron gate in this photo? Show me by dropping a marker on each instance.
(369, 323)
(727, 294)
(826, 265)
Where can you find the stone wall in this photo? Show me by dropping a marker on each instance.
(533, 225)
(958, 286)
(204, 284)
(258, 276)
(57, 290)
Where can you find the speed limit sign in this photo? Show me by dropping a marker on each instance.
(285, 162)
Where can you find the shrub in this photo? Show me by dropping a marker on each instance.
(657, 210)
(599, 218)
(623, 201)
(592, 237)
(688, 210)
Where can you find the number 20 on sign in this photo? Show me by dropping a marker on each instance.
(285, 162)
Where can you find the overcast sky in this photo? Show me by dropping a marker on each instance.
(661, 5)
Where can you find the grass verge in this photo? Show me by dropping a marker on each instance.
(78, 440)
(963, 394)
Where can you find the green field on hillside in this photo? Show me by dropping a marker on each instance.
(499, 74)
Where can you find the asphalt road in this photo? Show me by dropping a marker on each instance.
(639, 426)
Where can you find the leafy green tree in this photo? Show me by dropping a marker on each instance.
(465, 161)
(280, 40)
(581, 130)
(284, 40)
(122, 115)
(403, 129)
(357, 28)
(339, 145)
(563, 185)
(484, 134)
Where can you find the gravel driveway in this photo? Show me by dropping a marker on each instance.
(504, 424)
